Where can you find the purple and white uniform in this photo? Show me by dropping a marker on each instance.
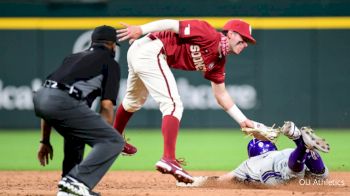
(269, 168)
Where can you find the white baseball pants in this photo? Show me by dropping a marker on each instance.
(149, 73)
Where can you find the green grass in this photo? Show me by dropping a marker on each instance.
(208, 149)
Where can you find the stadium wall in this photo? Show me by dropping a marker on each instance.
(299, 69)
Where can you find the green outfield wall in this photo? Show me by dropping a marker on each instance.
(299, 69)
(107, 8)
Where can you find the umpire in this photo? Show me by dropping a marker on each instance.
(63, 103)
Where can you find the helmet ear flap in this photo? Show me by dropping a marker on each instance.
(257, 147)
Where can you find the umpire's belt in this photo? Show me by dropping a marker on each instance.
(71, 90)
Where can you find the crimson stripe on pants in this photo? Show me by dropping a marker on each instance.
(166, 81)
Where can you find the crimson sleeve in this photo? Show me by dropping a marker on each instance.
(196, 30)
(217, 74)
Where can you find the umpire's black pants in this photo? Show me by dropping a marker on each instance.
(73, 149)
(74, 119)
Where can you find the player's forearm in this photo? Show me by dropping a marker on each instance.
(106, 111)
(222, 97)
(231, 108)
(161, 25)
(45, 131)
(226, 102)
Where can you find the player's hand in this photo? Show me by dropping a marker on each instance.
(45, 152)
(129, 32)
(261, 131)
(247, 124)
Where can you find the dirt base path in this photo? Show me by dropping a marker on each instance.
(149, 183)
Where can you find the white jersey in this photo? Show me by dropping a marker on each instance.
(269, 168)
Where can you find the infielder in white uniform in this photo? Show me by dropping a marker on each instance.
(269, 166)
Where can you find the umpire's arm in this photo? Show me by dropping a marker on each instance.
(110, 89)
(45, 151)
(106, 110)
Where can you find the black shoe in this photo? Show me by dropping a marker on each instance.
(72, 186)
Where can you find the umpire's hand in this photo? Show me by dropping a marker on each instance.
(45, 151)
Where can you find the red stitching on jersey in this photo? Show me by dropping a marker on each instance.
(166, 81)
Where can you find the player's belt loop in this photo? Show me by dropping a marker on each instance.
(71, 90)
(152, 37)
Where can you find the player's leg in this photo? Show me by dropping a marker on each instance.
(297, 157)
(161, 84)
(122, 118)
(305, 140)
(164, 90)
(315, 165)
(311, 142)
(149, 64)
(136, 95)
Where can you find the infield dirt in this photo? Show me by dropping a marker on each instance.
(149, 183)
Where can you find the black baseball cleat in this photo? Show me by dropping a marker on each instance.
(69, 186)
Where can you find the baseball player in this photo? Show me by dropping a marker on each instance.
(64, 103)
(269, 166)
(190, 45)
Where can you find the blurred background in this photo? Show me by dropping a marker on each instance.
(299, 69)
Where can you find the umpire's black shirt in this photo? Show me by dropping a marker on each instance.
(94, 72)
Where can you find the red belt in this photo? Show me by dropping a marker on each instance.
(152, 37)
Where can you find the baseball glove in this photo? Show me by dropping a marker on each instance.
(262, 132)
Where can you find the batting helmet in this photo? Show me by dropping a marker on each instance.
(241, 27)
(257, 147)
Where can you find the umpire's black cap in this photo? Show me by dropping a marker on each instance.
(104, 33)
